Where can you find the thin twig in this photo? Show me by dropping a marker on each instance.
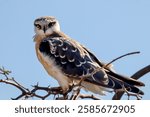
(136, 76)
(88, 96)
(105, 66)
(131, 53)
(26, 93)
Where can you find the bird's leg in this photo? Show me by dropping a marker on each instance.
(65, 93)
(75, 93)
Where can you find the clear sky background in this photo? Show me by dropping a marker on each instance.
(109, 28)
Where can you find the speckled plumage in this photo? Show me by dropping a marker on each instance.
(68, 61)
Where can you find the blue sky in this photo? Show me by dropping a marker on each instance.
(109, 28)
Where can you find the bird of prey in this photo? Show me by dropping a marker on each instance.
(68, 61)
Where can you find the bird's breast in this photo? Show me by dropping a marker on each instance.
(54, 70)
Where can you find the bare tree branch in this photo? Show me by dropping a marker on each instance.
(131, 53)
(88, 96)
(73, 93)
(136, 76)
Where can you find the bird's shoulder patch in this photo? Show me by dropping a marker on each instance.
(67, 56)
(73, 62)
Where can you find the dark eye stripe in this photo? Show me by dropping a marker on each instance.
(51, 24)
(38, 26)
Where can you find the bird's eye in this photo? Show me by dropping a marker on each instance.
(38, 26)
(51, 24)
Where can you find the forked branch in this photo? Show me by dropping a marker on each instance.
(73, 92)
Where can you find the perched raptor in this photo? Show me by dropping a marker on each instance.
(68, 61)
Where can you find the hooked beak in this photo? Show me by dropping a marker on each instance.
(44, 29)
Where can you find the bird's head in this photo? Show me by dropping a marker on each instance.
(46, 25)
